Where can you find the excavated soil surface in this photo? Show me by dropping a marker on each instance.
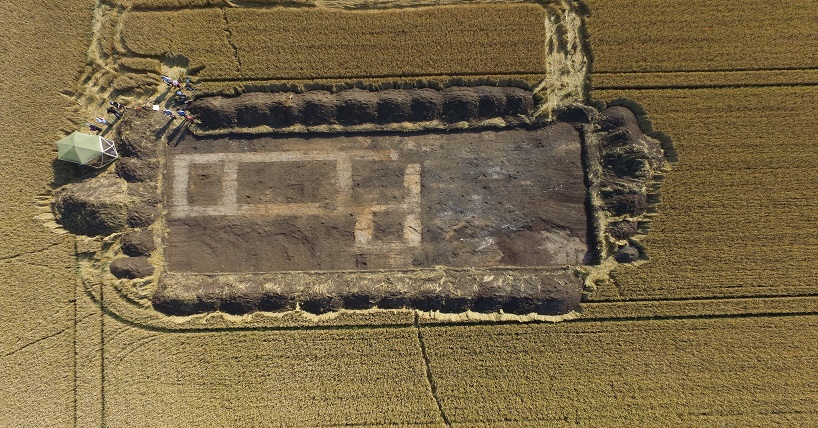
(363, 202)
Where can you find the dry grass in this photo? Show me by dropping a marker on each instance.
(708, 372)
(733, 220)
(672, 35)
(325, 43)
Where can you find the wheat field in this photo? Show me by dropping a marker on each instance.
(709, 35)
(170, 34)
(732, 219)
(309, 43)
(725, 325)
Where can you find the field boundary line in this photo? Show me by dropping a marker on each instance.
(350, 6)
(715, 70)
(228, 35)
(379, 425)
(703, 86)
(702, 308)
(76, 296)
(102, 355)
(705, 79)
(660, 317)
(703, 298)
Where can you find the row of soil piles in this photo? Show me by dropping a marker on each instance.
(357, 106)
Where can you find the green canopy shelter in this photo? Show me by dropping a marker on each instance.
(86, 149)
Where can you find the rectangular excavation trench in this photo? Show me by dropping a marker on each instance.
(363, 202)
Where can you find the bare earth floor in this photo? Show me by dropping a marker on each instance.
(359, 202)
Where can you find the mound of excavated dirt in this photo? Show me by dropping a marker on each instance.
(131, 267)
(622, 229)
(627, 254)
(104, 205)
(317, 108)
(394, 106)
(134, 169)
(99, 206)
(491, 102)
(425, 104)
(136, 134)
(357, 106)
(551, 293)
(138, 242)
(460, 104)
(628, 159)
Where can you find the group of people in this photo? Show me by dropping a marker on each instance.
(182, 113)
(180, 99)
(115, 108)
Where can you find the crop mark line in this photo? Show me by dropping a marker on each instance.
(229, 36)
(702, 298)
(75, 322)
(429, 378)
(23, 253)
(34, 342)
(102, 355)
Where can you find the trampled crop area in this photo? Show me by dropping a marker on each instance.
(725, 327)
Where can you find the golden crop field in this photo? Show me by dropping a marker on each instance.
(724, 312)
(456, 40)
(42, 57)
(709, 35)
(160, 34)
(732, 221)
(296, 378)
(310, 43)
(622, 374)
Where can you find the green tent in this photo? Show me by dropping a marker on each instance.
(86, 149)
